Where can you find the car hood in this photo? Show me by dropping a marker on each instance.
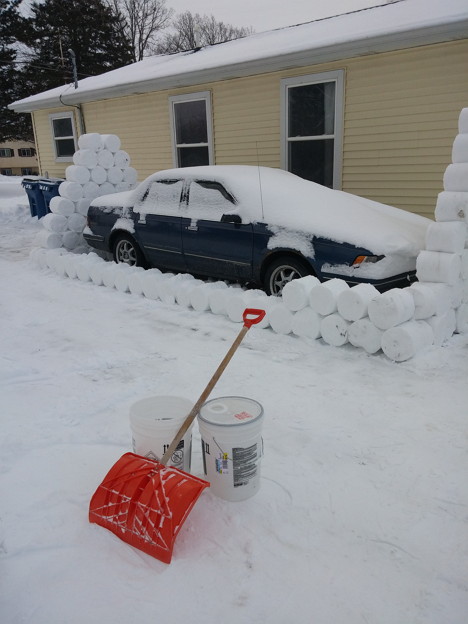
(304, 206)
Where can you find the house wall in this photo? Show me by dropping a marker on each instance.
(44, 141)
(401, 114)
(142, 123)
(17, 163)
(401, 118)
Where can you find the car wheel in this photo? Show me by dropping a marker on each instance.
(127, 251)
(282, 271)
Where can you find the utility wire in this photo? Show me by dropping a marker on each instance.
(43, 67)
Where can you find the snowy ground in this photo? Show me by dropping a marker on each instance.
(362, 515)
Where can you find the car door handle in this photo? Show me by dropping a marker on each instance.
(192, 228)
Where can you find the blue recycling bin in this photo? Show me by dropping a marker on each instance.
(37, 205)
(49, 188)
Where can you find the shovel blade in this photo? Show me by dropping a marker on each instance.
(145, 503)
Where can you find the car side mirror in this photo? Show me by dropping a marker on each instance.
(231, 218)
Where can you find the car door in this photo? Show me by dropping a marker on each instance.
(215, 241)
(158, 224)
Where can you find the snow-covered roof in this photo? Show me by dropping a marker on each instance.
(398, 25)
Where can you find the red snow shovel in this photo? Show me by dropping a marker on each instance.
(145, 502)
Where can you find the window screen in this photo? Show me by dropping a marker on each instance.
(64, 136)
(313, 126)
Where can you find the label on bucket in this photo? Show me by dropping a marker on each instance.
(232, 446)
(222, 463)
(154, 422)
(233, 471)
(244, 416)
(242, 465)
(177, 457)
(244, 461)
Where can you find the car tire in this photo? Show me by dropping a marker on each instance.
(125, 250)
(281, 271)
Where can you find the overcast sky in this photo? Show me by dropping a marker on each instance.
(264, 14)
(269, 14)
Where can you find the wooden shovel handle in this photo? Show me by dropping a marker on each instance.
(248, 322)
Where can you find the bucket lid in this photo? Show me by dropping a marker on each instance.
(231, 411)
(159, 410)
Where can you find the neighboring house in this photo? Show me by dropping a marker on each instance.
(18, 158)
(366, 102)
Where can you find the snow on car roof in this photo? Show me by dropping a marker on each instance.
(283, 200)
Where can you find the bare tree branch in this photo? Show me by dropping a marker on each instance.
(142, 22)
(192, 31)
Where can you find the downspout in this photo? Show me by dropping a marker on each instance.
(38, 154)
(81, 118)
(80, 114)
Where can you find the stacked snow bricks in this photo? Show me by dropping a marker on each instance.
(100, 168)
(401, 322)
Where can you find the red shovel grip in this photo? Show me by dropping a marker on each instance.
(257, 316)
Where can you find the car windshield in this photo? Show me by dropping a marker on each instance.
(160, 197)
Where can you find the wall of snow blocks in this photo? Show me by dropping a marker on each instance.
(99, 167)
(400, 322)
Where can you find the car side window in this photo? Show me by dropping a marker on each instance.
(209, 200)
(162, 197)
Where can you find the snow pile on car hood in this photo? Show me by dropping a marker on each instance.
(281, 199)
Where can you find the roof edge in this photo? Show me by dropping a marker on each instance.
(391, 42)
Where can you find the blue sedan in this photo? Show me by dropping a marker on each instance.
(256, 225)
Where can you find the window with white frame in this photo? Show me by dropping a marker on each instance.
(6, 152)
(191, 129)
(26, 152)
(312, 127)
(63, 135)
(6, 172)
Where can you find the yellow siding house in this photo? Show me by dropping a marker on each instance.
(18, 158)
(366, 102)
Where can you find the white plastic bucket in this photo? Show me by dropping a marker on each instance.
(232, 446)
(154, 422)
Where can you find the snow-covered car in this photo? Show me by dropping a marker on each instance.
(256, 225)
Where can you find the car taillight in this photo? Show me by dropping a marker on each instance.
(364, 259)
